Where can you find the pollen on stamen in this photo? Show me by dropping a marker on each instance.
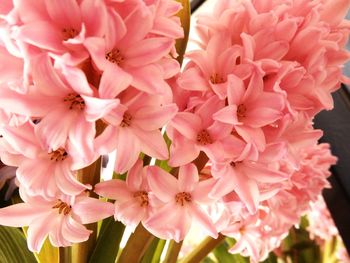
(127, 118)
(62, 207)
(59, 155)
(183, 198)
(142, 197)
(216, 79)
(115, 57)
(203, 138)
(241, 111)
(69, 33)
(75, 101)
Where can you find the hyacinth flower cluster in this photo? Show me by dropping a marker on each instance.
(75, 88)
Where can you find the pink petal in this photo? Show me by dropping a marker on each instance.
(45, 77)
(20, 215)
(163, 184)
(89, 210)
(54, 128)
(188, 177)
(115, 29)
(192, 79)
(136, 30)
(167, 27)
(67, 181)
(152, 143)
(130, 213)
(200, 193)
(42, 34)
(110, 86)
(152, 118)
(21, 139)
(32, 104)
(170, 222)
(182, 152)
(38, 231)
(74, 231)
(128, 150)
(81, 136)
(107, 141)
(134, 177)
(90, 9)
(65, 13)
(77, 80)
(96, 108)
(148, 79)
(259, 117)
(203, 220)
(170, 67)
(188, 124)
(252, 135)
(113, 189)
(97, 49)
(147, 51)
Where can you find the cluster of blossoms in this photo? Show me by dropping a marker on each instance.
(75, 87)
(247, 98)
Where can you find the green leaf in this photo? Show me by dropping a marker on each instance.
(151, 250)
(108, 241)
(184, 15)
(13, 248)
(271, 259)
(158, 252)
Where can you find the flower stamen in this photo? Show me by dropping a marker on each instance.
(203, 138)
(59, 155)
(142, 197)
(75, 101)
(62, 207)
(69, 33)
(216, 79)
(115, 56)
(127, 118)
(241, 111)
(183, 198)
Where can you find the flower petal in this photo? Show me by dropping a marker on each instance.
(90, 210)
(188, 177)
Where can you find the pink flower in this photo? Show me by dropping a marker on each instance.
(245, 176)
(134, 128)
(249, 109)
(66, 107)
(195, 132)
(182, 200)
(61, 26)
(125, 46)
(133, 203)
(47, 173)
(60, 218)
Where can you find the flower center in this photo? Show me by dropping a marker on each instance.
(183, 198)
(115, 56)
(142, 197)
(75, 101)
(203, 138)
(216, 79)
(241, 111)
(69, 33)
(59, 155)
(127, 118)
(62, 207)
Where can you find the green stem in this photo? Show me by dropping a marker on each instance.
(136, 246)
(173, 252)
(203, 249)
